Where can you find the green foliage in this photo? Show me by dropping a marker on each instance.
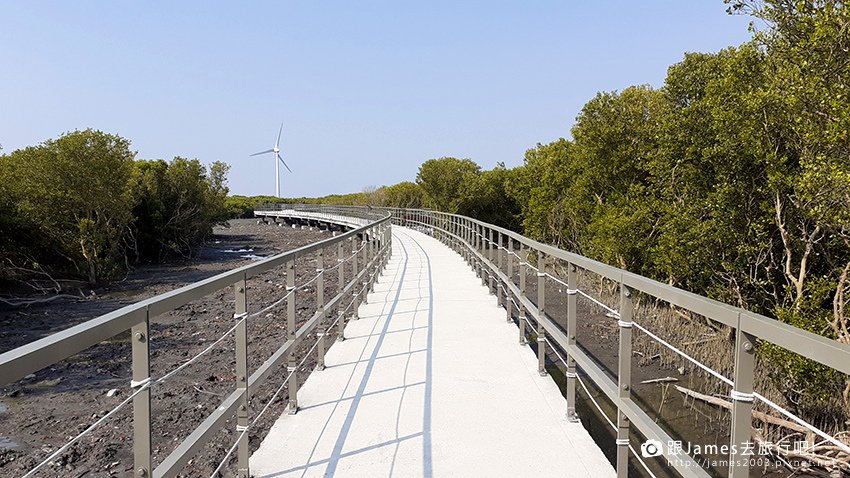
(711, 175)
(242, 207)
(71, 195)
(732, 181)
(540, 188)
(486, 197)
(177, 204)
(405, 195)
(80, 204)
(812, 387)
(447, 181)
(615, 138)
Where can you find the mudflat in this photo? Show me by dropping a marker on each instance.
(41, 412)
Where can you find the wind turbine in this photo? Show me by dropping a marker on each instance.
(276, 151)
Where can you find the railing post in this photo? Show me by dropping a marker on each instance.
(482, 252)
(473, 256)
(292, 407)
(523, 313)
(320, 308)
(373, 235)
(499, 253)
(241, 340)
(142, 402)
(483, 243)
(340, 259)
(464, 228)
(490, 258)
(541, 309)
(742, 403)
(461, 234)
(464, 237)
(366, 258)
(490, 238)
(389, 239)
(340, 324)
(508, 304)
(499, 256)
(509, 249)
(354, 254)
(572, 293)
(624, 379)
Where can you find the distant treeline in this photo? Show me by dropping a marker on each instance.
(241, 207)
(82, 205)
(732, 180)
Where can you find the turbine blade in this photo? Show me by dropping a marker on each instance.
(277, 143)
(284, 163)
(262, 152)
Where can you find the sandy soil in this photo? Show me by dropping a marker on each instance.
(40, 413)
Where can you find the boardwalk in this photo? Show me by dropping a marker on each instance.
(430, 382)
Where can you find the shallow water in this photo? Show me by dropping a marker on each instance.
(7, 444)
(253, 257)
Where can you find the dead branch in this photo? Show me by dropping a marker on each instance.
(21, 302)
(760, 416)
(662, 380)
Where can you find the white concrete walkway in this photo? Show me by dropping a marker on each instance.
(431, 381)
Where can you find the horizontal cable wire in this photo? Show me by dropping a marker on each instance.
(272, 399)
(729, 382)
(533, 328)
(557, 280)
(291, 291)
(599, 408)
(151, 382)
(285, 381)
(684, 355)
(272, 305)
(200, 354)
(843, 446)
(801, 422)
(142, 387)
(85, 432)
(613, 312)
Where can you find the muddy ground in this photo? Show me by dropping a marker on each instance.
(41, 412)
(598, 335)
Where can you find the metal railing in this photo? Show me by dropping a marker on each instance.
(487, 248)
(483, 246)
(353, 216)
(363, 251)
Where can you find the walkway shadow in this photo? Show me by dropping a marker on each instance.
(403, 276)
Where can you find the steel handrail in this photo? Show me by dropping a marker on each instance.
(481, 243)
(826, 351)
(372, 226)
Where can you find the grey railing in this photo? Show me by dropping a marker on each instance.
(350, 215)
(363, 251)
(490, 251)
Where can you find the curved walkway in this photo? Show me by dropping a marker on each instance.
(430, 381)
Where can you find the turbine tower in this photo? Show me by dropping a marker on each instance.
(276, 151)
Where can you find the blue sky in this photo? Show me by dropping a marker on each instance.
(367, 90)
